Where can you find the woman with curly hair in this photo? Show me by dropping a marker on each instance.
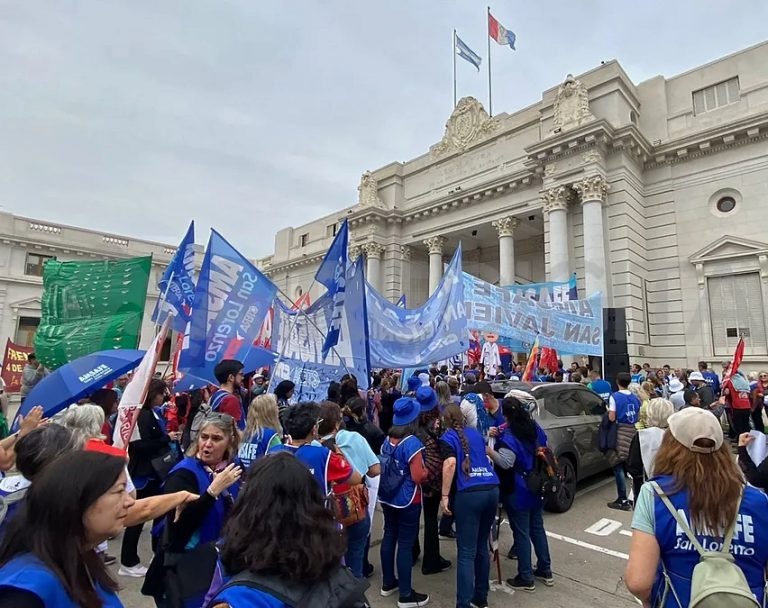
(477, 496)
(300, 545)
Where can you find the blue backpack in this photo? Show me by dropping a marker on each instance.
(393, 474)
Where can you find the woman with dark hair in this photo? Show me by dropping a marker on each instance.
(515, 456)
(402, 473)
(433, 460)
(48, 557)
(280, 495)
(154, 442)
(187, 555)
(334, 392)
(107, 399)
(389, 394)
(284, 393)
(474, 508)
(697, 502)
(357, 422)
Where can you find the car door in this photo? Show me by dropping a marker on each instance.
(569, 410)
(593, 410)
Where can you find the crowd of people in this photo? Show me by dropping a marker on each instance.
(257, 498)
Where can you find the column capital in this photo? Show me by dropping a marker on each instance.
(435, 245)
(355, 251)
(592, 188)
(406, 252)
(556, 199)
(373, 250)
(506, 225)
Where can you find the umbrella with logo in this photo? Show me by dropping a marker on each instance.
(76, 379)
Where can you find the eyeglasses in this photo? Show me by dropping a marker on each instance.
(225, 418)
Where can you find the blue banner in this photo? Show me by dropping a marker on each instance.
(231, 300)
(332, 273)
(177, 285)
(415, 338)
(300, 336)
(570, 326)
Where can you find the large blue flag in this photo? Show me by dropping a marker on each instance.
(231, 300)
(401, 337)
(300, 336)
(332, 273)
(177, 285)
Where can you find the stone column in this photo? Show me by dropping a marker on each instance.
(405, 273)
(373, 253)
(506, 229)
(556, 207)
(593, 190)
(435, 246)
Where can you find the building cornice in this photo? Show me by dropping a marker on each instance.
(271, 269)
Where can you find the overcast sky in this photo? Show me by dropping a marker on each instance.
(133, 116)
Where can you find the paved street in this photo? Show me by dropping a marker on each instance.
(588, 545)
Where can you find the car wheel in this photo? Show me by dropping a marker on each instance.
(564, 498)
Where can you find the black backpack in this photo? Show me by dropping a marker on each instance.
(544, 478)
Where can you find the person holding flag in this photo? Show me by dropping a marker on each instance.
(736, 394)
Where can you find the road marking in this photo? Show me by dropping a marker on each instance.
(596, 486)
(584, 545)
(604, 527)
(626, 532)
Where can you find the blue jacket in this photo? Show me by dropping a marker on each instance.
(525, 455)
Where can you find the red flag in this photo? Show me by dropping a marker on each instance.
(738, 355)
(549, 359)
(13, 365)
(530, 366)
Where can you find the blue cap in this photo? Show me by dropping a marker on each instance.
(406, 411)
(413, 383)
(427, 398)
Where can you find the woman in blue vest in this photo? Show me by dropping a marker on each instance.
(262, 432)
(514, 455)
(282, 538)
(402, 473)
(474, 507)
(153, 442)
(695, 470)
(187, 541)
(48, 557)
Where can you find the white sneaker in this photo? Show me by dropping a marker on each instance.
(137, 571)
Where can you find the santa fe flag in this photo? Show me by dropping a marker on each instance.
(499, 33)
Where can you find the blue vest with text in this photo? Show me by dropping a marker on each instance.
(213, 523)
(627, 408)
(27, 573)
(525, 457)
(602, 388)
(749, 546)
(256, 447)
(481, 471)
(315, 458)
(215, 401)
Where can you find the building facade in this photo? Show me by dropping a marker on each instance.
(26, 244)
(655, 194)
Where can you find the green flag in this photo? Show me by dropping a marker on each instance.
(90, 306)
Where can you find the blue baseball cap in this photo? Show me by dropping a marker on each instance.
(427, 398)
(407, 409)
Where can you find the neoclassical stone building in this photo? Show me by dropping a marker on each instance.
(655, 194)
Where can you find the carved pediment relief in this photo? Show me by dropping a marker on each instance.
(469, 123)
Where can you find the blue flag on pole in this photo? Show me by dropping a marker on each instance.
(334, 264)
(466, 53)
(231, 300)
(177, 285)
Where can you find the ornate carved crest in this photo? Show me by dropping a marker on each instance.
(571, 105)
(368, 191)
(468, 123)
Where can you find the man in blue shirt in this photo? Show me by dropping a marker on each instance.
(623, 410)
(600, 386)
(710, 378)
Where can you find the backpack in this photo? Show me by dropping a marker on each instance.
(197, 422)
(717, 580)
(393, 475)
(12, 491)
(543, 479)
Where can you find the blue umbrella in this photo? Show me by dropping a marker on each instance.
(78, 378)
(189, 383)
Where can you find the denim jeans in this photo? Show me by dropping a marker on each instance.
(357, 539)
(528, 528)
(621, 481)
(401, 527)
(474, 513)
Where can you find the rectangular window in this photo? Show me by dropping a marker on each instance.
(303, 240)
(35, 264)
(716, 96)
(25, 333)
(736, 310)
(330, 230)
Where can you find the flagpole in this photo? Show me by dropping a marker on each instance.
(488, 32)
(454, 68)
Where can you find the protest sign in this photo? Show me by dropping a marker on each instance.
(14, 360)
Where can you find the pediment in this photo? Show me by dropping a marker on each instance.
(27, 303)
(729, 247)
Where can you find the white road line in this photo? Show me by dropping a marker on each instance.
(596, 486)
(626, 532)
(591, 547)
